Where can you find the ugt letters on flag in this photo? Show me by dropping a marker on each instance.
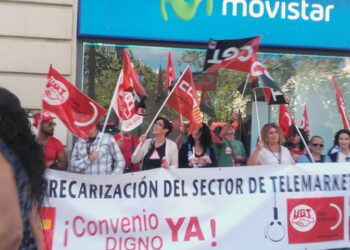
(77, 111)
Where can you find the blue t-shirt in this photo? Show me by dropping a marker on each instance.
(305, 159)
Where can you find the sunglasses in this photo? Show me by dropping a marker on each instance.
(317, 145)
(159, 124)
(51, 124)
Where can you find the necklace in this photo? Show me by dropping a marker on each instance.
(279, 154)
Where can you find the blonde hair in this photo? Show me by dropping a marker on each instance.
(265, 131)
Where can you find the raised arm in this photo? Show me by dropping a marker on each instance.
(254, 157)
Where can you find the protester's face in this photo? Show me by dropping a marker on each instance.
(272, 136)
(344, 140)
(196, 133)
(93, 132)
(297, 139)
(158, 128)
(48, 127)
(316, 146)
(231, 130)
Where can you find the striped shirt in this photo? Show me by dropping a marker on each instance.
(108, 154)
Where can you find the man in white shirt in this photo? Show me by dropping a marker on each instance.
(87, 158)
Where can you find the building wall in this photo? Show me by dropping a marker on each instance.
(33, 35)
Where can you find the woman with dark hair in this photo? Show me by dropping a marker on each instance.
(159, 151)
(198, 152)
(342, 140)
(22, 184)
(269, 149)
(297, 147)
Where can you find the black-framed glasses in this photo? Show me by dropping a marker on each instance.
(317, 145)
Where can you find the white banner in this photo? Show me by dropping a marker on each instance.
(264, 207)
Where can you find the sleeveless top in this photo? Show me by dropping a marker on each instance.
(23, 191)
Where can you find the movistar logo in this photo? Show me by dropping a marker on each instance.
(184, 10)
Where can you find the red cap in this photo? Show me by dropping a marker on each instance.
(44, 115)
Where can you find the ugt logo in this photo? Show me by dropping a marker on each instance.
(184, 10)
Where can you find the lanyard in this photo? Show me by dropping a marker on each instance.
(279, 158)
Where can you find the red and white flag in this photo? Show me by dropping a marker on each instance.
(170, 73)
(77, 111)
(184, 100)
(131, 81)
(305, 122)
(285, 121)
(341, 105)
(124, 106)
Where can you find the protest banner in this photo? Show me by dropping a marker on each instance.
(262, 207)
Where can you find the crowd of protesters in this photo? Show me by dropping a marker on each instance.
(24, 157)
(201, 147)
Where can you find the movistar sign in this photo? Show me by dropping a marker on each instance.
(314, 24)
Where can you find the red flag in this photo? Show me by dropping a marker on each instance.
(205, 81)
(305, 122)
(232, 54)
(341, 105)
(184, 99)
(132, 83)
(124, 106)
(76, 110)
(285, 121)
(170, 73)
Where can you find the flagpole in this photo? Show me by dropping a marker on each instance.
(257, 114)
(346, 118)
(244, 89)
(240, 104)
(108, 114)
(306, 146)
(161, 107)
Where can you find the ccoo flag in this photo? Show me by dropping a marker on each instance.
(132, 83)
(305, 122)
(170, 77)
(285, 121)
(184, 100)
(341, 105)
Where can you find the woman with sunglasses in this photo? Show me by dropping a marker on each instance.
(342, 140)
(198, 152)
(316, 146)
(159, 151)
(269, 150)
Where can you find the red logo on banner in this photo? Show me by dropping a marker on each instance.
(315, 219)
(47, 215)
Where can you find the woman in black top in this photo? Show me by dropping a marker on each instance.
(198, 152)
